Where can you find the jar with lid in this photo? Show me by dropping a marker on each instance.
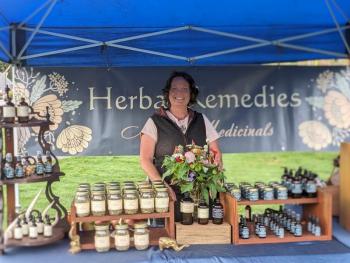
(114, 202)
(102, 242)
(141, 236)
(146, 201)
(130, 202)
(162, 200)
(98, 203)
(82, 203)
(121, 237)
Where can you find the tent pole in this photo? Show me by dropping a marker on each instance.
(34, 13)
(338, 27)
(48, 11)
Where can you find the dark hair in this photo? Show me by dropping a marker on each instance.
(188, 78)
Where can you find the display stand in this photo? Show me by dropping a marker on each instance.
(8, 147)
(344, 200)
(321, 206)
(87, 237)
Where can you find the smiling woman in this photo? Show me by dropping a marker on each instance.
(173, 125)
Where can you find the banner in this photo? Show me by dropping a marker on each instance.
(100, 111)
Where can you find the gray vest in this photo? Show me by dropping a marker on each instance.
(170, 135)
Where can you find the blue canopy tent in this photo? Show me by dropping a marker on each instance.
(171, 33)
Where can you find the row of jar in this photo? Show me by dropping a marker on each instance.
(116, 201)
(121, 236)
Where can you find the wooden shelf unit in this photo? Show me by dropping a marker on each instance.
(8, 146)
(321, 206)
(87, 237)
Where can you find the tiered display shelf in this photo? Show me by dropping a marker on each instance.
(321, 206)
(8, 147)
(87, 237)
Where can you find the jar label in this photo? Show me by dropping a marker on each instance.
(203, 213)
(122, 240)
(47, 231)
(186, 207)
(33, 232)
(98, 206)
(131, 204)
(18, 233)
(115, 204)
(141, 240)
(8, 112)
(218, 213)
(22, 111)
(82, 208)
(147, 203)
(102, 242)
(40, 168)
(162, 202)
(297, 189)
(311, 188)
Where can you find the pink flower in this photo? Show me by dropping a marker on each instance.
(190, 157)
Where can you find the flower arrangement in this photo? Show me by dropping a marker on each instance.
(192, 168)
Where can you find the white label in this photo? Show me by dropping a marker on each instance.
(102, 242)
(8, 112)
(186, 207)
(40, 227)
(33, 232)
(82, 208)
(162, 202)
(22, 111)
(115, 204)
(25, 230)
(18, 233)
(131, 204)
(122, 240)
(141, 240)
(47, 231)
(147, 203)
(98, 206)
(203, 212)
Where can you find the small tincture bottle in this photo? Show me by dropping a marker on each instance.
(203, 213)
(19, 171)
(298, 230)
(48, 163)
(23, 111)
(187, 209)
(18, 234)
(40, 168)
(9, 172)
(217, 212)
(33, 230)
(48, 227)
(8, 110)
(40, 225)
(25, 227)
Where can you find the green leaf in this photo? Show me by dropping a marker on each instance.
(167, 173)
(186, 188)
(213, 192)
(205, 194)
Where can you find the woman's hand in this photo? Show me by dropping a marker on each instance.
(214, 146)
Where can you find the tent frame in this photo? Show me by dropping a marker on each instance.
(90, 43)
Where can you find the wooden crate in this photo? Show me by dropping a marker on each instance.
(334, 190)
(344, 199)
(203, 234)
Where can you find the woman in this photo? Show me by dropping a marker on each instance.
(174, 125)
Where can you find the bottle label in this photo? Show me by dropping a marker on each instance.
(47, 231)
(122, 240)
(311, 188)
(186, 207)
(297, 189)
(22, 111)
(102, 242)
(218, 213)
(115, 204)
(141, 240)
(298, 231)
(25, 229)
(40, 227)
(19, 172)
(131, 204)
(8, 111)
(98, 206)
(33, 232)
(9, 172)
(18, 233)
(48, 167)
(40, 168)
(147, 203)
(203, 213)
(82, 208)
(162, 202)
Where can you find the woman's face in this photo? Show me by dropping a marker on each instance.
(179, 93)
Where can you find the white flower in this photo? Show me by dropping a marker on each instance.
(315, 134)
(325, 80)
(190, 157)
(337, 109)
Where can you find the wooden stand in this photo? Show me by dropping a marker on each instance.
(344, 200)
(62, 226)
(87, 237)
(320, 206)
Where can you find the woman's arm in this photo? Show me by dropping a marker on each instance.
(147, 147)
(214, 146)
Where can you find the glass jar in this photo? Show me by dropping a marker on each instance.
(268, 193)
(82, 203)
(282, 193)
(141, 236)
(146, 201)
(236, 193)
(98, 203)
(253, 194)
(121, 237)
(162, 200)
(102, 242)
(114, 202)
(130, 202)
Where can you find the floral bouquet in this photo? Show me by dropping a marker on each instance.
(192, 168)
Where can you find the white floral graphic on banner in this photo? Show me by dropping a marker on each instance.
(335, 107)
(42, 91)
